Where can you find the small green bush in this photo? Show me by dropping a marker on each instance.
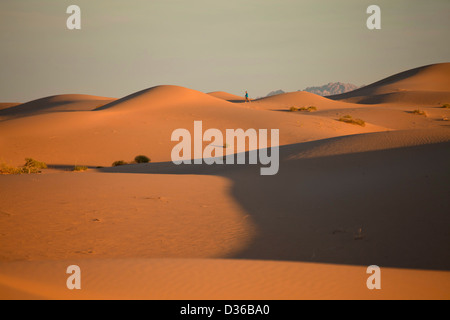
(142, 159)
(119, 163)
(80, 168)
(446, 106)
(348, 119)
(293, 109)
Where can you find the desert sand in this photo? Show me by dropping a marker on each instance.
(345, 197)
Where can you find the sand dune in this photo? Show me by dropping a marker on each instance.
(213, 279)
(298, 99)
(293, 97)
(411, 98)
(226, 96)
(58, 103)
(142, 123)
(6, 105)
(346, 196)
(139, 198)
(421, 83)
(231, 212)
(357, 175)
(161, 96)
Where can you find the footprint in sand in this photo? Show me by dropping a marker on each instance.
(85, 251)
(163, 199)
(4, 213)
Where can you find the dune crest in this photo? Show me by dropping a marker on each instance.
(226, 96)
(57, 103)
(159, 96)
(298, 99)
(433, 78)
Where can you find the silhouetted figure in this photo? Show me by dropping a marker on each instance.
(246, 97)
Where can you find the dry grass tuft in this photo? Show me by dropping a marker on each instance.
(349, 119)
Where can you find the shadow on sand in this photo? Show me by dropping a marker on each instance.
(376, 207)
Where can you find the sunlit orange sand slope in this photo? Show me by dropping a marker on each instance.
(345, 197)
(214, 279)
(143, 123)
(427, 85)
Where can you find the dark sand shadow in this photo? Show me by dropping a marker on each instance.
(376, 207)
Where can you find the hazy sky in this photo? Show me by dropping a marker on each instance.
(209, 45)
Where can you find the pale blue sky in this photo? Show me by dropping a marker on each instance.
(209, 45)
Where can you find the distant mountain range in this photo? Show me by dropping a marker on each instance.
(332, 88)
(329, 89)
(274, 93)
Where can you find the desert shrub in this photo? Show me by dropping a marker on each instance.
(446, 106)
(349, 119)
(308, 109)
(118, 163)
(33, 166)
(31, 163)
(79, 168)
(142, 159)
(30, 170)
(6, 169)
(419, 112)
(30, 166)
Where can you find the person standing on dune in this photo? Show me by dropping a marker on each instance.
(246, 97)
